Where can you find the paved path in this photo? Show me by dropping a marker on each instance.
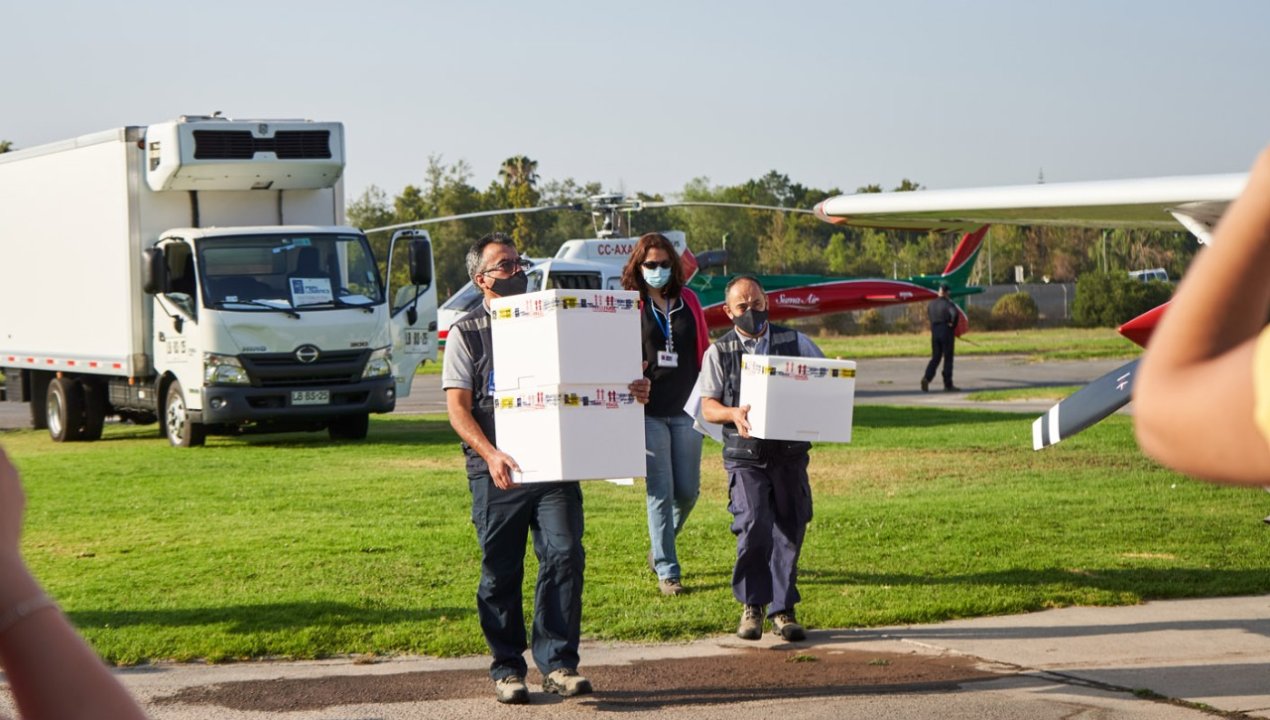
(895, 381)
(1082, 662)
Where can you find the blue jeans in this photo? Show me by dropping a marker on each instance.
(673, 484)
(552, 513)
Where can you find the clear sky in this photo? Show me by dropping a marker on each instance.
(648, 95)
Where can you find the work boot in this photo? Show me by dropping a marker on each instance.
(511, 690)
(925, 385)
(751, 627)
(787, 627)
(566, 683)
(670, 586)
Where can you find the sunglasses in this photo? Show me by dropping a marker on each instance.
(509, 266)
(650, 265)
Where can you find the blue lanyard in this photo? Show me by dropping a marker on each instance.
(665, 329)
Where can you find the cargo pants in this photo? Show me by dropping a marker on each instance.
(770, 506)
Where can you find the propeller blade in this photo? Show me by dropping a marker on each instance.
(483, 213)
(1092, 403)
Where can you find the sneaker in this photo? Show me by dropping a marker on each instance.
(511, 690)
(787, 627)
(751, 627)
(951, 388)
(670, 586)
(566, 683)
(925, 385)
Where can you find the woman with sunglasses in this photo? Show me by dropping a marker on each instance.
(674, 340)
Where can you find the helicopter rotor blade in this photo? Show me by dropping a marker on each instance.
(696, 203)
(483, 213)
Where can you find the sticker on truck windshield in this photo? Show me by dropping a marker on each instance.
(310, 291)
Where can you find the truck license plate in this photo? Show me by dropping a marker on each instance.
(310, 397)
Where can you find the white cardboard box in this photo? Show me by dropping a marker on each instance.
(571, 432)
(566, 337)
(798, 398)
(563, 364)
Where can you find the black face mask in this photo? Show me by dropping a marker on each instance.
(751, 321)
(508, 286)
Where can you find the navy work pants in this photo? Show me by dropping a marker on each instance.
(941, 348)
(770, 508)
(504, 519)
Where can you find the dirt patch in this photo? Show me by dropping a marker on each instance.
(755, 674)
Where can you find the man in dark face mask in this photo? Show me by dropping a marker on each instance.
(769, 495)
(505, 513)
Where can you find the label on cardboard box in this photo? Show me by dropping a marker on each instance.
(796, 368)
(534, 305)
(544, 400)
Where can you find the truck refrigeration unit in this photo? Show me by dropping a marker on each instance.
(197, 272)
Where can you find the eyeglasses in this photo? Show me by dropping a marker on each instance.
(650, 265)
(509, 267)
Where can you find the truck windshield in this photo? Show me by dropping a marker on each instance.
(263, 273)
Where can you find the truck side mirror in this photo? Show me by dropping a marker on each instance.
(154, 271)
(420, 262)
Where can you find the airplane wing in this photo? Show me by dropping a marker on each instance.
(1197, 202)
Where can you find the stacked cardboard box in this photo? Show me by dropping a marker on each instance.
(563, 363)
(798, 398)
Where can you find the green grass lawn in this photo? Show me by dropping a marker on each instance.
(1047, 344)
(1047, 392)
(293, 546)
(1040, 344)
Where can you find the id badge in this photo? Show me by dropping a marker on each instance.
(667, 359)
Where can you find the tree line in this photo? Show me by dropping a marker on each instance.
(756, 241)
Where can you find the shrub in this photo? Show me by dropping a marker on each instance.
(1015, 311)
(1109, 299)
(837, 324)
(980, 318)
(871, 322)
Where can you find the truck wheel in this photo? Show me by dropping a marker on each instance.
(95, 409)
(64, 408)
(353, 427)
(176, 420)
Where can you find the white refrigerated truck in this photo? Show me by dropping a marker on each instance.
(197, 272)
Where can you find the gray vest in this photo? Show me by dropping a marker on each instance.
(753, 451)
(474, 328)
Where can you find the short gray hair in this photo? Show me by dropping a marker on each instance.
(477, 251)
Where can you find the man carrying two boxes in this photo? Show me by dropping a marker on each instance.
(504, 511)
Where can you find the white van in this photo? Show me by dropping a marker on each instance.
(1148, 275)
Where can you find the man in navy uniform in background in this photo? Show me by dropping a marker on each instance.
(943, 316)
